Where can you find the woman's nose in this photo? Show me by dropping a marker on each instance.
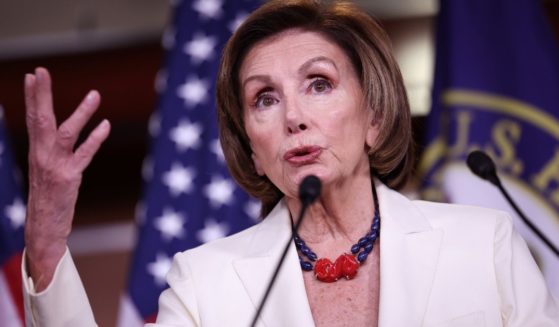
(296, 128)
(295, 118)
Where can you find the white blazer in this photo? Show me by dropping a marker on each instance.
(440, 265)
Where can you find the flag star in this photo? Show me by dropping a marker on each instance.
(159, 268)
(212, 230)
(235, 23)
(170, 224)
(215, 147)
(179, 179)
(168, 38)
(219, 191)
(200, 48)
(186, 135)
(16, 213)
(252, 209)
(193, 91)
(208, 8)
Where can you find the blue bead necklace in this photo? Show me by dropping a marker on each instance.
(347, 264)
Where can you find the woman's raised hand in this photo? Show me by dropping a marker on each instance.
(55, 173)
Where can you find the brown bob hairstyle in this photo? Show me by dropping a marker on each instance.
(367, 46)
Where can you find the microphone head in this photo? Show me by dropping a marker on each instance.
(482, 165)
(309, 189)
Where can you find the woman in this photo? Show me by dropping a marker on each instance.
(304, 88)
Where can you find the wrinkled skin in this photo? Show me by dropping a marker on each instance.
(56, 166)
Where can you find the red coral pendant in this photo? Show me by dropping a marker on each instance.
(348, 265)
(345, 266)
(326, 271)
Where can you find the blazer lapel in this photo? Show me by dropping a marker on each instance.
(287, 304)
(409, 251)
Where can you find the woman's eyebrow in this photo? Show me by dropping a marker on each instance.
(263, 78)
(304, 67)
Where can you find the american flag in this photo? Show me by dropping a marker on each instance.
(12, 219)
(189, 197)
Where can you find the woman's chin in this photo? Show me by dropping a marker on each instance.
(322, 175)
(289, 184)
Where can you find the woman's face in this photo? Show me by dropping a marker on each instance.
(304, 111)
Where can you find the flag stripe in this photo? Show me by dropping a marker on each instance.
(12, 273)
(9, 315)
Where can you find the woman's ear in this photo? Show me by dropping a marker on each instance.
(373, 129)
(257, 166)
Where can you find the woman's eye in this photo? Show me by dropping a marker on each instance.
(264, 100)
(320, 85)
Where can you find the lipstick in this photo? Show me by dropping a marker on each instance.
(302, 155)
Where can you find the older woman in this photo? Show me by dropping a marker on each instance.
(303, 89)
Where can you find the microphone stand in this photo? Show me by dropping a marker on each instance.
(309, 190)
(525, 219)
(482, 165)
(280, 263)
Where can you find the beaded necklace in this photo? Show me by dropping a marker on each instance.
(346, 265)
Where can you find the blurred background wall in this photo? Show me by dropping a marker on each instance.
(114, 46)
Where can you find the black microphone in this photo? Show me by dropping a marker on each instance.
(309, 191)
(482, 165)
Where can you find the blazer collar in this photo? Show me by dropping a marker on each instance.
(287, 304)
(409, 252)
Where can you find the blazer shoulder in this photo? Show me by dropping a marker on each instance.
(465, 217)
(253, 241)
(226, 248)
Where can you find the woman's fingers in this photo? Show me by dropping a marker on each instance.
(29, 90)
(50, 147)
(85, 152)
(44, 95)
(40, 119)
(45, 139)
(70, 129)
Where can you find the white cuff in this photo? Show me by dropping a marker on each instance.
(63, 303)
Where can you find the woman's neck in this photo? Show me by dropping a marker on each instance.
(343, 211)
